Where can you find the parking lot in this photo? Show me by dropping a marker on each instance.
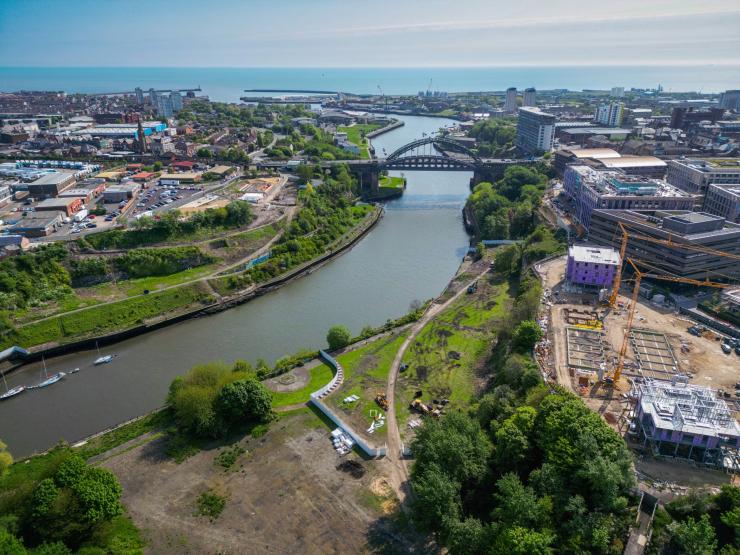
(163, 197)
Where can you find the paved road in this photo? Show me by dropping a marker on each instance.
(398, 471)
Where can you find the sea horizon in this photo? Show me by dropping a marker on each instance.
(228, 83)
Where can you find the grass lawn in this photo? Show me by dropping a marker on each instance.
(320, 376)
(111, 317)
(447, 353)
(387, 181)
(365, 374)
(355, 136)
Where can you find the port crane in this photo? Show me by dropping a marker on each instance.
(385, 98)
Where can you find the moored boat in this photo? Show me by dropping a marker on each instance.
(54, 378)
(103, 360)
(12, 392)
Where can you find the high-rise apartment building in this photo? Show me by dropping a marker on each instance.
(610, 114)
(139, 95)
(530, 97)
(535, 131)
(510, 103)
(730, 100)
(617, 92)
(176, 100)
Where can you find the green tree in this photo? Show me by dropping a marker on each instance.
(6, 459)
(437, 500)
(480, 250)
(518, 540)
(693, 537)
(10, 545)
(526, 335)
(338, 337)
(244, 400)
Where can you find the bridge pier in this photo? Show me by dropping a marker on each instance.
(368, 177)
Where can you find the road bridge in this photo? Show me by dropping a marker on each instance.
(427, 154)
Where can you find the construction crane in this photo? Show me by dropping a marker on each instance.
(639, 275)
(667, 242)
(385, 98)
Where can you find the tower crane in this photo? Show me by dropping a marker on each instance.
(639, 275)
(666, 242)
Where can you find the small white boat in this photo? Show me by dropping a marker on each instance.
(101, 359)
(54, 378)
(12, 392)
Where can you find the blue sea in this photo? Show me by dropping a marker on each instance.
(228, 84)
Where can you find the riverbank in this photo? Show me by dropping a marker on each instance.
(210, 303)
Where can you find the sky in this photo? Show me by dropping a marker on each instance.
(380, 33)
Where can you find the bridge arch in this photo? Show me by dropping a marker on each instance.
(443, 142)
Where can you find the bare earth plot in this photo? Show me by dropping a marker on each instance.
(284, 495)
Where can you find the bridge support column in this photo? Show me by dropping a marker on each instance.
(368, 179)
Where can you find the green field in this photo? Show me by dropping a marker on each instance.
(355, 136)
(320, 376)
(446, 354)
(111, 317)
(365, 375)
(388, 182)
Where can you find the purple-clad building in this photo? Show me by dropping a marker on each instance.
(686, 421)
(592, 266)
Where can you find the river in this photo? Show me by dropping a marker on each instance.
(411, 254)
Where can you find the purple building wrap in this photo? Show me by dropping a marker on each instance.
(593, 266)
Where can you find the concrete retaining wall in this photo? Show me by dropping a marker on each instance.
(369, 450)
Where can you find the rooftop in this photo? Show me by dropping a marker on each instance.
(595, 255)
(61, 202)
(654, 222)
(600, 153)
(617, 183)
(597, 131)
(710, 164)
(629, 161)
(687, 408)
(54, 178)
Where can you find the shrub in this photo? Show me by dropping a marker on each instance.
(338, 337)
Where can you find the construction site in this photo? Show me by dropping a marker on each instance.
(670, 386)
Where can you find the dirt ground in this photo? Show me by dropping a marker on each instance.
(294, 380)
(704, 362)
(284, 495)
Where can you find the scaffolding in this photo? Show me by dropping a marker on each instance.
(685, 421)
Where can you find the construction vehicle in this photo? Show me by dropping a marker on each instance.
(382, 400)
(418, 406)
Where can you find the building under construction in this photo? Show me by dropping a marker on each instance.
(690, 422)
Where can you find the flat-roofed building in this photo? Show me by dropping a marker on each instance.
(724, 200)
(592, 266)
(646, 166)
(535, 131)
(568, 156)
(51, 184)
(179, 178)
(589, 189)
(143, 177)
(694, 175)
(67, 205)
(692, 229)
(579, 135)
(38, 224)
(120, 193)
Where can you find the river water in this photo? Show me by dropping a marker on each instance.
(411, 254)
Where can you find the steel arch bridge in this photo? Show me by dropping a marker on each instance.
(408, 158)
